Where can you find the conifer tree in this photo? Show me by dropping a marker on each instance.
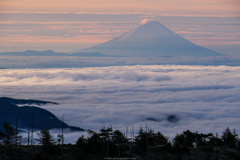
(8, 133)
(46, 140)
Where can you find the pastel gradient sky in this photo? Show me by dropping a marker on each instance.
(69, 25)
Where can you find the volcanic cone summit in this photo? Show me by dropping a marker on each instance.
(151, 39)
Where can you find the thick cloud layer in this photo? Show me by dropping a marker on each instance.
(170, 98)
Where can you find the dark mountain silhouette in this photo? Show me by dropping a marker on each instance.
(52, 53)
(151, 40)
(24, 101)
(42, 118)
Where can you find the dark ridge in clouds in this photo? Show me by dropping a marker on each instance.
(172, 119)
(203, 98)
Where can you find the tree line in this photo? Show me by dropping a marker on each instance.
(154, 145)
(146, 144)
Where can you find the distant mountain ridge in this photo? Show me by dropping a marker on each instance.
(42, 119)
(151, 40)
(52, 53)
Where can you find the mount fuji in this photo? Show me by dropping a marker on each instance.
(151, 39)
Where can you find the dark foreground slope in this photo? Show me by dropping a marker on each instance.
(42, 118)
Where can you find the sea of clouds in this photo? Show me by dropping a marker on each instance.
(17, 62)
(170, 98)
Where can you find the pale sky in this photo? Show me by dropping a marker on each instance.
(68, 25)
(178, 7)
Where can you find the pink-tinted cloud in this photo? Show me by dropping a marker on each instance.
(214, 7)
(56, 39)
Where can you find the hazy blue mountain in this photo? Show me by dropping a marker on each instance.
(151, 40)
(42, 118)
(33, 53)
(52, 53)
